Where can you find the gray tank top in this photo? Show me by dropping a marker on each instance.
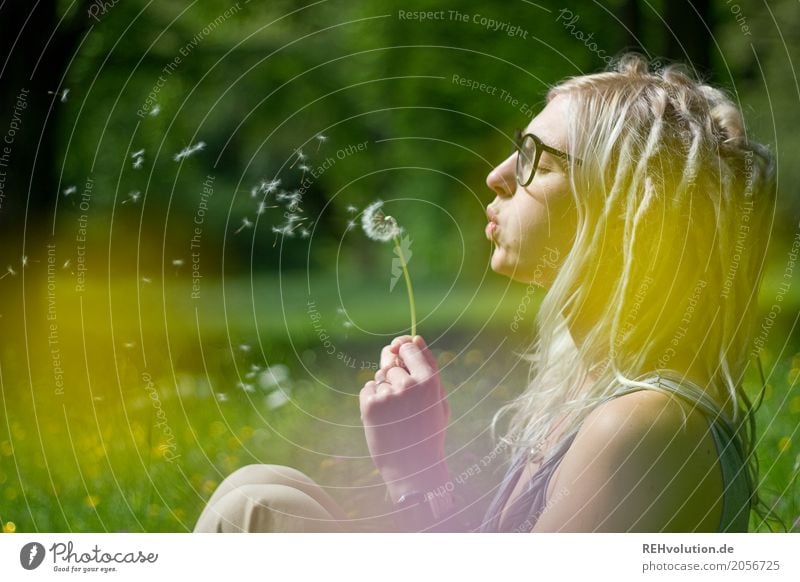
(523, 514)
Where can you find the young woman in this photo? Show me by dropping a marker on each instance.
(638, 201)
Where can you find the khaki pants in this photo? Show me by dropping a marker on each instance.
(276, 498)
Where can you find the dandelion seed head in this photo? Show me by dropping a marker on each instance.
(378, 226)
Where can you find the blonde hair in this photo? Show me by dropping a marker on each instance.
(674, 204)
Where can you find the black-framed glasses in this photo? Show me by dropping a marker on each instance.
(529, 149)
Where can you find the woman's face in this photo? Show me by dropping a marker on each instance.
(534, 226)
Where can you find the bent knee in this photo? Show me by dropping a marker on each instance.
(266, 508)
(264, 474)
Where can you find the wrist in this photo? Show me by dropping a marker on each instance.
(432, 481)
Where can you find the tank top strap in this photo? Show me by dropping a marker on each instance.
(736, 486)
(685, 389)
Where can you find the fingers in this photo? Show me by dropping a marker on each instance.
(428, 354)
(372, 392)
(417, 363)
(398, 377)
(388, 357)
(398, 341)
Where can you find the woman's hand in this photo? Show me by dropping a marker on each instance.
(405, 415)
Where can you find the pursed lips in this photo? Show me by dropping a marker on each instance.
(491, 227)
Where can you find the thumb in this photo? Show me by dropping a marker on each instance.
(423, 347)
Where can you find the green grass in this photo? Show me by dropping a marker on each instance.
(96, 459)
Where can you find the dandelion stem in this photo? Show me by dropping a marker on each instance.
(408, 287)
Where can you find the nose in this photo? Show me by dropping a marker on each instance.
(502, 179)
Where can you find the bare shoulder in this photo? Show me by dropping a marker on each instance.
(644, 461)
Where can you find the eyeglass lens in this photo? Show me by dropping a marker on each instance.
(525, 159)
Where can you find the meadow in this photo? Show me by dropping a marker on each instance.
(135, 443)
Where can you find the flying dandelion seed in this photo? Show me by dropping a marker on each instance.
(262, 208)
(155, 110)
(347, 324)
(245, 347)
(222, 397)
(189, 151)
(271, 186)
(24, 261)
(285, 230)
(147, 280)
(351, 224)
(129, 345)
(132, 197)
(300, 157)
(177, 262)
(321, 139)
(70, 190)
(66, 264)
(137, 154)
(9, 271)
(245, 224)
(304, 233)
(138, 163)
(383, 228)
(64, 94)
(352, 209)
(246, 387)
